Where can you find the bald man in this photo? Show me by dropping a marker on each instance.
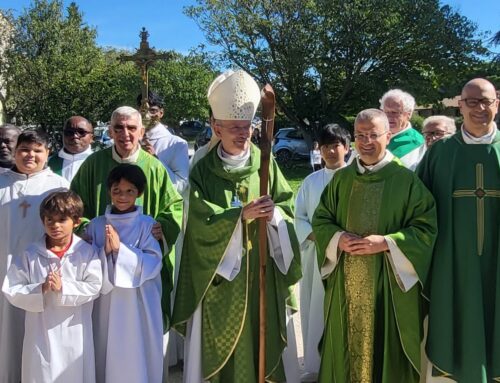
(463, 174)
(8, 140)
(78, 135)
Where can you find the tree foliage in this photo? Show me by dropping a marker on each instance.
(329, 58)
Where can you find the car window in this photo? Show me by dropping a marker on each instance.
(295, 134)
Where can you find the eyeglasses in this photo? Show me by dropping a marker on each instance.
(393, 113)
(369, 137)
(473, 102)
(79, 132)
(436, 133)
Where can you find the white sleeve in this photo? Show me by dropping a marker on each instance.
(134, 266)
(76, 293)
(280, 246)
(19, 289)
(403, 269)
(302, 225)
(331, 255)
(231, 260)
(178, 165)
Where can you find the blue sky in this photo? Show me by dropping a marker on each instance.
(118, 22)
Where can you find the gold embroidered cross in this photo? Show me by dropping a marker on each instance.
(25, 205)
(480, 193)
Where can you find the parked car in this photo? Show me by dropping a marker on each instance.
(289, 144)
(203, 137)
(190, 129)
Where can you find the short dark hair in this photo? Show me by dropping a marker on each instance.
(63, 203)
(128, 172)
(154, 99)
(332, 133)
(35, 136)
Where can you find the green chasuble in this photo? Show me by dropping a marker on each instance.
(55, 164)
(160, 201)
(230, 309)
(464, 284)
(373, 329)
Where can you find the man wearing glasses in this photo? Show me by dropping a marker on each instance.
(78, 134)
(437, 127)
(463, 174)
(406, 143)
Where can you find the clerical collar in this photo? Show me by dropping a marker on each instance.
(233, 162)
(408, 127)
(388, 157)
(132, 159)
(73, 157)
(486, 139)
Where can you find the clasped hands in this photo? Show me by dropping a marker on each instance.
(53, 282)
(357, 245)
(262, 207)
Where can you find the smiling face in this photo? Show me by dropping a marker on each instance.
(234, 135)
(371, 139)
(77, 135)
(126, 131)
(123, 196)
(59, 228)
(478, 118)
(30, 157)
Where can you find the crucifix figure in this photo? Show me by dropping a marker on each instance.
(144, 57)
(24, 205)
(480, 193)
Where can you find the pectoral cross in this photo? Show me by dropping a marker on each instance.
(24, 205)
(144, 58)
(480, 193)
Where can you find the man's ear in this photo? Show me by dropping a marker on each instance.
(217, 130)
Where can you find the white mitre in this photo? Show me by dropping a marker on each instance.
(234, 96)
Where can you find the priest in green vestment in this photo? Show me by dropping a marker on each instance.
(217, 299)
(160, 199)
(375, 228)
(463, 174)
(406, 143)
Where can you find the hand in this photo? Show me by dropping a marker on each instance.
(262, 207)
(148, 147)
(157, 231)
(112, 240)
(356, 245)
(311, 237)
(46, 285)
(55, 280)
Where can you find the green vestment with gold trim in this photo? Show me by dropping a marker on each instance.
(464, 283)
(160, 200)
(230, 309)
(373, 329)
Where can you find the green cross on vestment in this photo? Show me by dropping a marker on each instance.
(480, 193)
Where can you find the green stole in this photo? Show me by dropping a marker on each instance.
(372, 328)
(55, 164)
(230, 311)
(405, 142)
(464, 285)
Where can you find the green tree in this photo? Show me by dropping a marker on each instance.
(183, 82)
(327, 59)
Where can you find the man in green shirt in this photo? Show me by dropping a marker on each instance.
(217, 298)
(375, 227)
(463, 174)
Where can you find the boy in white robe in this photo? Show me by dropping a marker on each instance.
(55, 281)
(128, 327)
(334, 144)
(22, 188)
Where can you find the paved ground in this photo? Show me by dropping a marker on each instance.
(175, 373)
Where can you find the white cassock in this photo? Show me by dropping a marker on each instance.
(172, 151)
(312, 292)
(20, 225)
(280, 249)
(72, 162)
(58, 344)
(128, 326)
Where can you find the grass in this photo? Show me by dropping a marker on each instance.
(296, 174)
